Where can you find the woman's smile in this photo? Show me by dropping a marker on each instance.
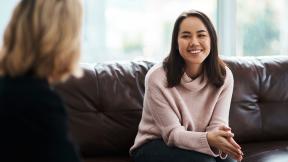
(195, 51)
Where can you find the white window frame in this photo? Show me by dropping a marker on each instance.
(226, 25)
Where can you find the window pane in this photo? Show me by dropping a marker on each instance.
(138, 29)
(262, 27)
(6, 9)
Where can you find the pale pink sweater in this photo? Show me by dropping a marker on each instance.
(183, 115)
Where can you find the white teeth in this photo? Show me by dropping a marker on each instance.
(194, 51)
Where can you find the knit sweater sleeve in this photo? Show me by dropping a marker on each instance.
(159, 102)
(220, 114)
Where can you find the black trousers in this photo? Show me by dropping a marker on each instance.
(158, 151)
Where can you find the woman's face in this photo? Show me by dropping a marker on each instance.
(193, 41)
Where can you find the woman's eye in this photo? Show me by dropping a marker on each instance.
(185, 36)
(202, 35)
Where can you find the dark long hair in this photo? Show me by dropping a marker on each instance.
(174, 64)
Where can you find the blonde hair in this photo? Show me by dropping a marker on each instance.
(42, 39)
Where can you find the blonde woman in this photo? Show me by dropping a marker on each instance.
(41, 46)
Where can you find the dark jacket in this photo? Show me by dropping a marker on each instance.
(33, 122)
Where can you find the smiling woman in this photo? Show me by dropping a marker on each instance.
(187, 100)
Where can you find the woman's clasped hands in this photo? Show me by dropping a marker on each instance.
(222, 139)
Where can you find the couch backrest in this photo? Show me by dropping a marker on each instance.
(259, 108)
(105, 105)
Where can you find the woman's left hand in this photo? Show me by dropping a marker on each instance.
(231, 140)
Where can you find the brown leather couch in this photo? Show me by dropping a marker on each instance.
(105, 108)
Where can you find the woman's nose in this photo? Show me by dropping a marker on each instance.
(193, 41)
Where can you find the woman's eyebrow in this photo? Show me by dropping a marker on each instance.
(200, 31)
(185, 32)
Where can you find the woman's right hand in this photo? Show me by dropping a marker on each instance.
(223, 140)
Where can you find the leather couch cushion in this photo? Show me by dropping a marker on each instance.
(280, 155)
(259, 105)
(105, 106)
